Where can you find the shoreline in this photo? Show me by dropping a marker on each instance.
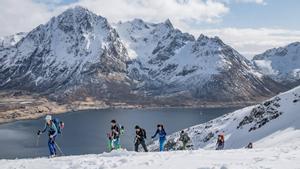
(28, 106)
(70, 108)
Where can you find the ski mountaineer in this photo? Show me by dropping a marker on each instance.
(140, 138)
(162, 136)
(250, 146)
(220, 142)
(115, 135)
(184, 138)
(52, 133)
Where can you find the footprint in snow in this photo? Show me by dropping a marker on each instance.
(123, 160)
(113, 165)
(257, 159)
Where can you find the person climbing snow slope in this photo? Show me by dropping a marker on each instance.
(140, 138)
(162, 136)
(53, 130)
(184, 138)
(115, 135)
(220, 142)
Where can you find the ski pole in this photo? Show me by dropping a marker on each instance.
(59, 149)
(38, 140)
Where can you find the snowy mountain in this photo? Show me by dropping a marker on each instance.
(75, 53)
(167, 62)
(281, 64)
(269, 124)
(11, 40)
(79, 54)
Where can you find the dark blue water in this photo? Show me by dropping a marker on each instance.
(85, 131)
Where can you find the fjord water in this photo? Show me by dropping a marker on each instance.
(86, 131)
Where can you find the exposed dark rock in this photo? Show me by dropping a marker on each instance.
(261, 115)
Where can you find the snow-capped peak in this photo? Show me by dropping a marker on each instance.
(282, 64)
(58, 52)
(169, 24)
(164, 56)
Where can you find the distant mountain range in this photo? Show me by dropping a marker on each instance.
(79, 54)
(281, 64)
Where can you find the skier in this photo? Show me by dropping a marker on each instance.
(220, 142)
(52, 133)
(140, 138)
(162, 136)
(250, 145)
(115, 135)
(184, 138)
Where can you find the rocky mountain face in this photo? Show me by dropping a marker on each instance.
(167, 62)
(78, 54)
(281, 64)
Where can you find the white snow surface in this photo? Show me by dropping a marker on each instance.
(277, 157)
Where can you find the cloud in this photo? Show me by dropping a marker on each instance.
(21, 16)
(251, 41)
(24, 15)
(178, 11)
(27, 14)
(262, 2)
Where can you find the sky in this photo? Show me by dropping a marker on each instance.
(250, 26)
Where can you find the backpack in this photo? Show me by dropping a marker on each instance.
(221, 138)
(186, 138)
(144, 133)
(59, 125)
(122, 129)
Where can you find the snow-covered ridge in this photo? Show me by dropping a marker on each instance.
(271, 123)
(282, 64)
(166, 61)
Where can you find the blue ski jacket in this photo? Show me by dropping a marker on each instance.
(52, 130)
(162, 134)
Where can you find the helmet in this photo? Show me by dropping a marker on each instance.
(48, 118)
(137, 127)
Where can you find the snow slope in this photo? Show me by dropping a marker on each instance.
(272, 123)
(277, 157)
(282, 64)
